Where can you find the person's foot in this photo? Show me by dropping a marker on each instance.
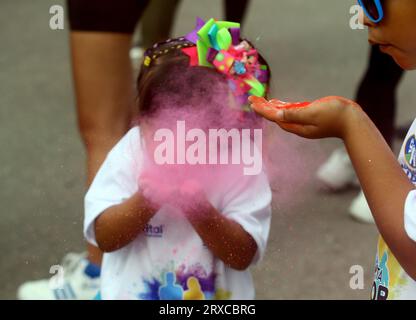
(360, 211)
(337, 173)
(80, 281)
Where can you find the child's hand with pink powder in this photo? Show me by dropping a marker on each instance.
(187, 195)
(192, 196)
(191, 188)
(326, 117)
(156, 192)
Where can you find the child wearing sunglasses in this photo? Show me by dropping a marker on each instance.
(388, 184)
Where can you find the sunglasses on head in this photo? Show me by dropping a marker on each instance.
(373, 9)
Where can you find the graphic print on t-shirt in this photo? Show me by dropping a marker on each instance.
(410, 151)
(170, 290)
(153, 230)
(185, 283)
(408, 158)
(388, 280)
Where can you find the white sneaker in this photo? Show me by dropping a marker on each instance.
(337, 172)
(136, 56)
(74, 284)
(360, 211)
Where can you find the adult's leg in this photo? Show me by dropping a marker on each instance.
(100, 40)
(157, 21)
(104, 95)
(235, 10)
(163, 12)
(377, 92)
(101, 34)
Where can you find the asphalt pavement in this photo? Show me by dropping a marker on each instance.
(312, 52)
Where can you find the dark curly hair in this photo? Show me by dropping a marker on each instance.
(166, 73)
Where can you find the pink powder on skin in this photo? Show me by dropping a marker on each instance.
(262, 103)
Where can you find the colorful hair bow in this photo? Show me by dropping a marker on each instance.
(218, 45)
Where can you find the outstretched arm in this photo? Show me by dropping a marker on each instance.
(383, 181)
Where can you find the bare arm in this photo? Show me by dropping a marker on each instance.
(226, 239)
(384, 184)
(383, 181)
(120, 224)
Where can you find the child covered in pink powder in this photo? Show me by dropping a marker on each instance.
(183, 231)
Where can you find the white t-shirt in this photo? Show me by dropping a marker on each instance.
(391, 281)
(169, 260)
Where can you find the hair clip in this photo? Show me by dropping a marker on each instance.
(217, 44)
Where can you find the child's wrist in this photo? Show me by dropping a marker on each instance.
(197, 209)
(353, 116)
(147, 203)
